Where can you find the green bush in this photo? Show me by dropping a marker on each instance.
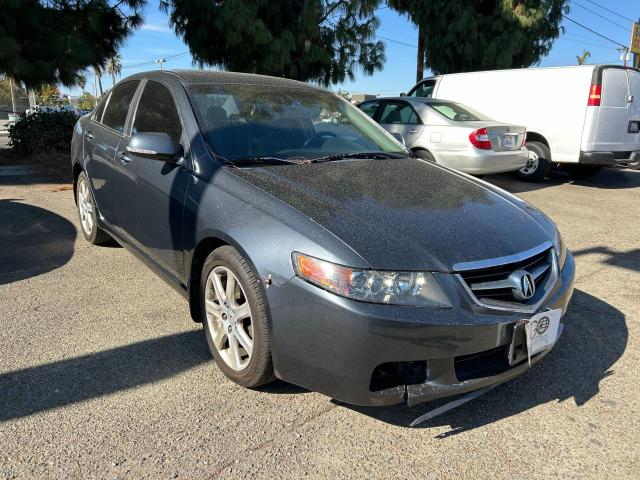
(42, 132)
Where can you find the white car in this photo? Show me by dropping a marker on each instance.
(579, 117)
(451, 134)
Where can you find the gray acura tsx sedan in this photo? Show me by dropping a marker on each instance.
(312, 245)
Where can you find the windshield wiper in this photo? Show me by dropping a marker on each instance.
(358, 155)
(266, 160)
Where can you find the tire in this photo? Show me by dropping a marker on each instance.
(87, 213)
(424, 154)
(225, 324)
(579, 172)
(538, 166)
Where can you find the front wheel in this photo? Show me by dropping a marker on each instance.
(235, 318)
(538, 164)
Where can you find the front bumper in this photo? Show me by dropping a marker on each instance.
(483, 162)
(337, 346)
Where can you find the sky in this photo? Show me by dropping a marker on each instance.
(157, 40)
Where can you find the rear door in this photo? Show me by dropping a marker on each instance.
(399, 117)
(632, 139)
(613, 112)
(103, 137)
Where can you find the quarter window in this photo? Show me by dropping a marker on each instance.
(399, 113)
(115, 115)
(157, 112)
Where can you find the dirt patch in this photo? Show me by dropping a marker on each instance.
(54, 165)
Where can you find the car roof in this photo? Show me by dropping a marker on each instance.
(191, 77)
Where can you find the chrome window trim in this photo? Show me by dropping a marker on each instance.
(510, 306)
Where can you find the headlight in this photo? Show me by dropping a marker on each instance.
(395, 288)
(560, 249)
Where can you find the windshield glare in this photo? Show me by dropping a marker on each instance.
(248, 121)
(456, 112)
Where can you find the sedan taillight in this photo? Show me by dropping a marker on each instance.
(480, 139)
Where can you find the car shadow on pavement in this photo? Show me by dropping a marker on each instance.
(608, 178)
(44, 387)
(629, 259)
(594, 338)
(33, 240)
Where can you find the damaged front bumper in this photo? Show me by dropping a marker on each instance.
(370, 354)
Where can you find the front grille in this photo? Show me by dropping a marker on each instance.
(497, 284)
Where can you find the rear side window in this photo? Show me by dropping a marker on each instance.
(115, 115)
(157, 112)
(456, 112)
(370, 108)
(98, 115)
(614, 88)
(399, 113)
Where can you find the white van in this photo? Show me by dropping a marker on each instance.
(583, 117)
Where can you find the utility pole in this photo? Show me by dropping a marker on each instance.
(13, 96)
(161, 61)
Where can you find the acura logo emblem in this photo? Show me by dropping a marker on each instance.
(523, 285)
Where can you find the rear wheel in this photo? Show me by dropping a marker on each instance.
(579, 172)
(235, 318)
(88, 213)
(538, 165)
(424, 154)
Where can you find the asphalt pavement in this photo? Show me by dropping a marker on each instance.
(104, 375)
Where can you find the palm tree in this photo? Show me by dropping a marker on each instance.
(97, 70)
(114, 66)
(82, 81)
(582, 59)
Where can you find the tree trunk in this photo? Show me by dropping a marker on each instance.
(113, 79)
(13, 96)
(99, 77)
(421, 52)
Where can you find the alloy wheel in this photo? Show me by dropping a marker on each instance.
(85, 207)
(532, 164)
(229, 318)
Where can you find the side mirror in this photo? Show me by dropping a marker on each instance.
(155, 146)
(399, 137)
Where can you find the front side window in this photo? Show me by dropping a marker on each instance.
(398, 113)
(157, 112)
(456, 112)
(115, 114)
(244, 121)
(425, 89)
(370, 108)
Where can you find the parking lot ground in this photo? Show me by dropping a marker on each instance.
(104, 375)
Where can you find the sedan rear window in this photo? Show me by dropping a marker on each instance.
(456, 112)
(246, 121)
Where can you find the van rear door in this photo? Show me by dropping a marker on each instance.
(613, 111)
(632, 138)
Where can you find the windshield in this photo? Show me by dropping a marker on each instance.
(248, 121)
(456, 112)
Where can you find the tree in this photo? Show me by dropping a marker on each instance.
(97, 72)
(582, 59)
(322, 41)
(86, 101)
(114, 67)
(53, 41)
(49, 94)
(469, 35)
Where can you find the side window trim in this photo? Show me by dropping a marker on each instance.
(136, 103)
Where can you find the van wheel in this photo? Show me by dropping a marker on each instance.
(538, 165)
(235, 318)
(579, 172)
(424, 154)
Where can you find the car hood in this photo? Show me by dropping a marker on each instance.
(406, 214)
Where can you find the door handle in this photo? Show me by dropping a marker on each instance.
(88, 135)
(413, 131)
(124, 158)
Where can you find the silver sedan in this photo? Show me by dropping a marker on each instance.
(451, 134)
